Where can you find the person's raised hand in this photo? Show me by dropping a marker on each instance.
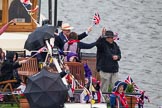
(89, 29)
(103, 31)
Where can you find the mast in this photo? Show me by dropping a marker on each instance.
(50, 11)
(39, 11)
(55, 13)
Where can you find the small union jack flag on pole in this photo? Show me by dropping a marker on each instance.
(96, 19)
(129, 80)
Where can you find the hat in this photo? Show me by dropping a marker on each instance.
(109, 34)
(119, 83)
(66, 26)
(71, 54)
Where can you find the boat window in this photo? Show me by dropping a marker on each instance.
(18, 11)
(0, 11)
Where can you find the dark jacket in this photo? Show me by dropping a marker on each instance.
(8, 67)
(105, 51)
(82, 45)
(61, 40)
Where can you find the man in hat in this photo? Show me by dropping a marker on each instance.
(108, 55)
(63, 36)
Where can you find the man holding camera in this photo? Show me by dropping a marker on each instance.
(108, 55)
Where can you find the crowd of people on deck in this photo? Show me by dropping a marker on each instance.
(108, 55)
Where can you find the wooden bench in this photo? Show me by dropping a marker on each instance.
(29, 68)
(92, 65)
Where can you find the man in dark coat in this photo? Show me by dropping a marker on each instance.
(63, 36)
(108, 55)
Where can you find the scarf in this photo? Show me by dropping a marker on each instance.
(122, 98)
(72, 41)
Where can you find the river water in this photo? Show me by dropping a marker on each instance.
(139, 25)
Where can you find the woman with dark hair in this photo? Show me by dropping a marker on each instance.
(74, 45)
(9, 67)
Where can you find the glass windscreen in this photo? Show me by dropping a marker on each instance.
(19, 10)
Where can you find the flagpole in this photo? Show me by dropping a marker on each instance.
(32, 56)
(2, 30)
(55, 61)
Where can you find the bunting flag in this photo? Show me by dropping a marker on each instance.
(71, 81)
(73, 85)
(84, 96)
(1, 97)
(96, 19)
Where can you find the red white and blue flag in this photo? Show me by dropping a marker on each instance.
(96, 19)
(129, 80)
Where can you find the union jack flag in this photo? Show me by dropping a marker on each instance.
(96, 19)
(129, 80)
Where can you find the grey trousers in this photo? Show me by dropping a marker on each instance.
(107, 79)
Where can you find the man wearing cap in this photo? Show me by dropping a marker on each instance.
(62, 38)
(108, 55)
